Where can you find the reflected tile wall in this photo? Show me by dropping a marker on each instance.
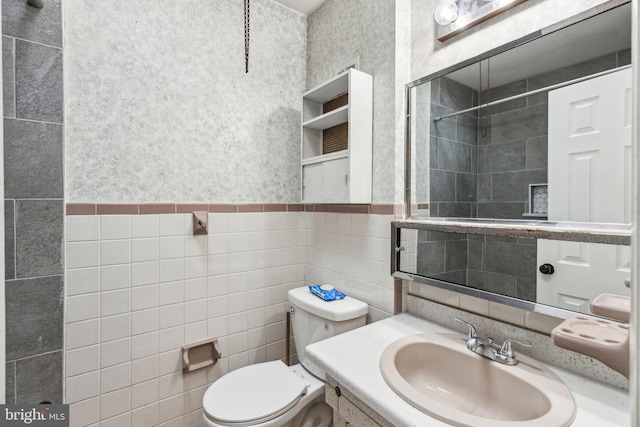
(506, 266)
(512, 153)
(491, 179)
(454, 151)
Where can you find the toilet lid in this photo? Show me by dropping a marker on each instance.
(257, 392)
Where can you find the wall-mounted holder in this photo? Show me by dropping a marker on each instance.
(200, 222)
(200, 354)
(607, 341)
(604, 340)
(611, 306)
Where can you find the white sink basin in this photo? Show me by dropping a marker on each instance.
(438, 375)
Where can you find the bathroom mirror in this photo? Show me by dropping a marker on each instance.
(560, 273)
(537, 132)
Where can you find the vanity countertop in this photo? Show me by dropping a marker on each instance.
(353, 360)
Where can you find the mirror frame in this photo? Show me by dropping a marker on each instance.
(568, 231)
(618, 234)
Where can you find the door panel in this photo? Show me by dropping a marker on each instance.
(312, 183)
(335, 187)
(589, 180)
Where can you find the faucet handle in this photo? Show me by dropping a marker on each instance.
(506, 349)
(472, 331)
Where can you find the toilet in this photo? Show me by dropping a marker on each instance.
(272, 394)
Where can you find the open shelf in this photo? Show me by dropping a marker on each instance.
(328, 120)
(329, 89)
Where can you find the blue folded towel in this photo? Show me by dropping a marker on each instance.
(329, 293)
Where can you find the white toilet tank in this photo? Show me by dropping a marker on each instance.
(315, 320)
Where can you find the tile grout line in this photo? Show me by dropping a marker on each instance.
(37, 355)
(37, 43)
(15, 239)
(15, 382)
(37, 277)
(15, 89)
(99, 319)
(21, 119)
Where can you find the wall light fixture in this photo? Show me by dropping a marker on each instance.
(456, 16)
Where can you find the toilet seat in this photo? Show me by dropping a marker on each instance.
(253, 394)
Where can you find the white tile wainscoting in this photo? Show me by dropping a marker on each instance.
(138, 287)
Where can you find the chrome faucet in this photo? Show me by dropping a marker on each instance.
(486, 348)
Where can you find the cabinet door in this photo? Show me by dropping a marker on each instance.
(312, 183)
(335, 181)
(352, 416)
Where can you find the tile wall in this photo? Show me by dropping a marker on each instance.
(486, 174)
(505, 265)
(141, 286)
(510, 157)
(351, 252)
(482, 166)
(453, 149)
(33, 195)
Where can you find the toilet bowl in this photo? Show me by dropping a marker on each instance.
(272, 394)
(267, 394)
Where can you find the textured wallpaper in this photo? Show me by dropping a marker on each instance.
(159, 108)
(341, 31)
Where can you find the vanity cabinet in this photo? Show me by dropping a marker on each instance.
(336, 147)
(348, 410)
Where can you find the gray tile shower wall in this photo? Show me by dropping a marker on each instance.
(39, 82)
(33, 159)
(453, 151)
(512, 152)
(489, 177)
(502, 265)
(34, 209)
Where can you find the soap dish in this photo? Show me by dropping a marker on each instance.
(604, 340)
(617, 307)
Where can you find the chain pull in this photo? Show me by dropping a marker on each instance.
(246, 35)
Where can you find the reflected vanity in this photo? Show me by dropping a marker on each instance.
(519, 171)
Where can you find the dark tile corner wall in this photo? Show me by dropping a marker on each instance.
(34, 205)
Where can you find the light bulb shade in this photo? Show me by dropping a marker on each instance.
(446, 12)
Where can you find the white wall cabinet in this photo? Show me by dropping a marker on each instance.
(336, 148)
